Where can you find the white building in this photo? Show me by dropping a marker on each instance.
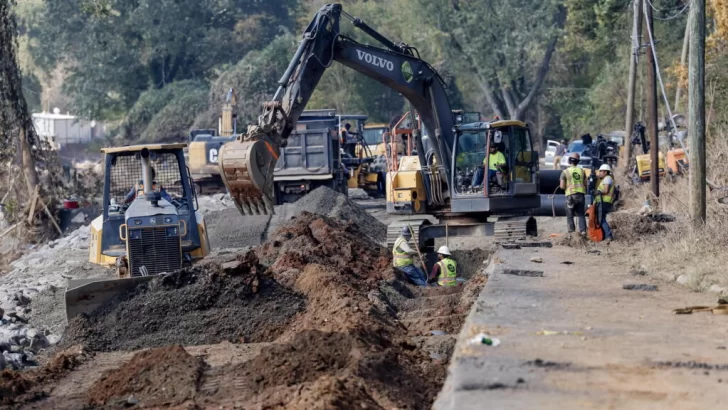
(65, 129)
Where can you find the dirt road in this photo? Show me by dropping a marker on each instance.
(622, 348)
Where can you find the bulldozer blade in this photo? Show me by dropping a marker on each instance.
(247, 169)
(83, 296)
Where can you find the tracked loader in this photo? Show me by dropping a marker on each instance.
(149, 225)
(247, 163)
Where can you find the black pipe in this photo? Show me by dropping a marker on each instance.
(559, 205)
(549, 181)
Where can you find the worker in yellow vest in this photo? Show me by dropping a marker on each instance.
(496, 162)
(573, 182)
(403, 258)
(445, 270)
(605, 198)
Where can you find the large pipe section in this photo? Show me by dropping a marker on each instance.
(554, 203)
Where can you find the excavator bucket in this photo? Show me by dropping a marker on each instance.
(247, 169)
(87, 295)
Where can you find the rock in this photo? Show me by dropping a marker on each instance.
(16, 349)
(22, 299)
(132, 401)
(39, 342)
(79, 218)
(683, 279)
(2, 362)
(717, 289)
(537, 260)
(231, 267)
(53, 339)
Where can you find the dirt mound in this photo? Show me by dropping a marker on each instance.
(207, 303)
(165, 376)
(630, 226)
(315, 239)
(18, 388)
(325, 201)
(574, 240)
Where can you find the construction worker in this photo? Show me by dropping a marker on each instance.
(573, 182)
(346, 140)
(496, 162)
(403, 258)
(139, 187)
(445, 270)
(604, 198)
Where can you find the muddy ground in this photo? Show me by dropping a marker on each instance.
(324, 321)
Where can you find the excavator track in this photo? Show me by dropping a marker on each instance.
(247, 171)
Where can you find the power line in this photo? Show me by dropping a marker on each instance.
(662, 11)
(679, 13)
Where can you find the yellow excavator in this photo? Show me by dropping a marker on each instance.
(149, 223)
(247, 163)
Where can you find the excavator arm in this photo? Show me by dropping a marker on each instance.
(247, 164)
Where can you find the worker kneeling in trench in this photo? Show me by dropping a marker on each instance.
(444, 271)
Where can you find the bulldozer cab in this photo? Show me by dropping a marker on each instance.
(123, 183)
(518, 176)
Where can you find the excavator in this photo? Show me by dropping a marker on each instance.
(247, 163)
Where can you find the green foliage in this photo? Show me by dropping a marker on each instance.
(117, 49)
(254, 79)
(167, 112)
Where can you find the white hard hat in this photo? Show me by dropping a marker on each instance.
(444, 250)
(605, 167)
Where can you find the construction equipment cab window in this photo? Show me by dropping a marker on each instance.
(509, 153)
(125, 180)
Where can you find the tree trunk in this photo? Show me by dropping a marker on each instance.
(31, 176)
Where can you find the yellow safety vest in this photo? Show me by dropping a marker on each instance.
(399, 257)
(607, 198)
(448, 272)
(494, 160)
(575, 181)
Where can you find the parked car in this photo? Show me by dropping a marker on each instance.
(550, 153)
(578, 147)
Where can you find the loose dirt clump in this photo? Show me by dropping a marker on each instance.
(208, 303)
(19, 388)
(165, 376)
(630, 226)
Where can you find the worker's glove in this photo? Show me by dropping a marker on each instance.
(595, 192)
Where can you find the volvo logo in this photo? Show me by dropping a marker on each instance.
(375, 60)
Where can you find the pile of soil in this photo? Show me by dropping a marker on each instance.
(630, 226)
(165, 376)
(207, 303)
(314, 289)
(325, 201)
(23, 387)
(316, 239)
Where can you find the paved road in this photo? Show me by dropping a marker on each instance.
(626, 348)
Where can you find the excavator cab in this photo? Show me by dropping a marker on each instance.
(512, 142)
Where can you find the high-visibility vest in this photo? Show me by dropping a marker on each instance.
(575, 181)
(448, 272)
(495, 159)
(399, 257)
(607, 198)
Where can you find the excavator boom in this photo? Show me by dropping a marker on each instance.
(247, 163)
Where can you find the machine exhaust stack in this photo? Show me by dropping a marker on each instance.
(147, 178)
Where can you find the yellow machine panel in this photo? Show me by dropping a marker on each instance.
(643, 166)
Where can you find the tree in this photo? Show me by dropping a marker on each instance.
(117, 49)
(507, 46)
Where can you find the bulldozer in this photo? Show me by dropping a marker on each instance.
(246, 163)
(149, 224)
(204, 147)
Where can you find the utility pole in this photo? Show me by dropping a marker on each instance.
(633, 67)
(696, 113)
(652, 107)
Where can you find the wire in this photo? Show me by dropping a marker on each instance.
(659, 76)
(673, 17)
(663, 11)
